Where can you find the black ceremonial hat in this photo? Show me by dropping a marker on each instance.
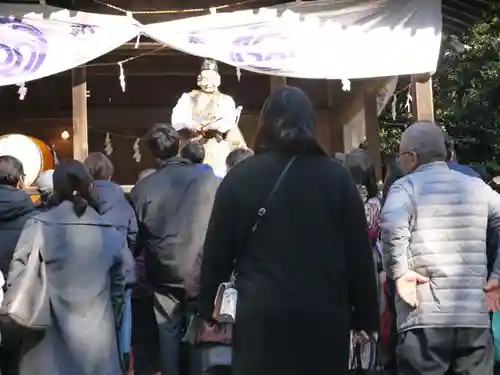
(209, 64)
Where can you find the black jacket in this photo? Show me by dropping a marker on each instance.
(173, 207)
(15, 209)
(304, 277)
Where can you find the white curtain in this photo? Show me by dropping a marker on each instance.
(321, 39)
(38, 41)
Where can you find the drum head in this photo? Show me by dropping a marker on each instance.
(26, 150)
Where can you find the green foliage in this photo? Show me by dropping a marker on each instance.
(389, 139)
(467, 93)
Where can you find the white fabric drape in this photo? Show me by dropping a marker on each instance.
(321, 39)
(38, 41)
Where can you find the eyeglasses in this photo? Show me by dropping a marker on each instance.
(398, 156)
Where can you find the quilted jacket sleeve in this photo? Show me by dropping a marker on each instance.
(395, 234)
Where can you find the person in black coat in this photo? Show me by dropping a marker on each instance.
(173, 207)
(16, 207)
(306, 276)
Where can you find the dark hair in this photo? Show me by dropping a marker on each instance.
(11, 170)
(163, 141)
(236, 156)
(394, 173)
(45, 196)
(287, 123)
(363, 145)
(194, 151)
(362, 170)
(72, 182)
(99, 166)
(370, 181)
(357, 162)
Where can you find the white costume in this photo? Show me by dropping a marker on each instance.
(208, 111)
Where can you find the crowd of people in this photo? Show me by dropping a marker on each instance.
(331, 271)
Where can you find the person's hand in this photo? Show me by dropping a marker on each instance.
(492, 292)
(406, 287)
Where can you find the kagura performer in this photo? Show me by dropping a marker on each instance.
(209, 117)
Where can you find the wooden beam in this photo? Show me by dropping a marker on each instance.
(80, 127)
(277, 82)
(336, 128)
(422, 102)
(372, 130)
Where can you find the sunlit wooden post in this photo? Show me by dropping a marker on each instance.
(422, 103)
(336, 128)
(80, 128)
(277, 82)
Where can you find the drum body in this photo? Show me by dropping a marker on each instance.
(35, 155)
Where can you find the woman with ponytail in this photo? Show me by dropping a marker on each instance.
(83, 260)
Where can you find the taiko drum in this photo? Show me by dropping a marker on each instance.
(35, 155)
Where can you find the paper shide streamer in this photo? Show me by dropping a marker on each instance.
(409, 100)
(394, 107)
(122, 77)
(23, 90)
(346, 85)
(108, 147)
(137, 151)
(137, 41)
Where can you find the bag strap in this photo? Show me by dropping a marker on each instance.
(263, 210)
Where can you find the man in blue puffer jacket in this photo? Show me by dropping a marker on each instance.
(452, 159)
(195, 153)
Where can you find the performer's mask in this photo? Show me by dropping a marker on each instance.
(209, 81)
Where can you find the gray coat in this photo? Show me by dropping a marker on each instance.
(83, 264)
(434, 223)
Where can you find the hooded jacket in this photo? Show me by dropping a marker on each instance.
(15, 209)
(116, 210)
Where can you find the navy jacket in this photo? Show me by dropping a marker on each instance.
(116, 210)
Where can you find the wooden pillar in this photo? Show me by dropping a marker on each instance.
(277, 82)
(372, 130)
(336, 127)
(421, 92)
(80, 128)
